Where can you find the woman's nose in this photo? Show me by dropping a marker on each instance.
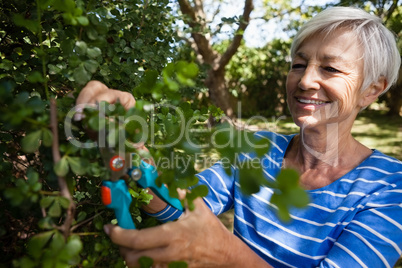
(310, 79)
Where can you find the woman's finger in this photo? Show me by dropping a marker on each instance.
(95, 92)
(158, 236)
(125, 98)
(90, 91)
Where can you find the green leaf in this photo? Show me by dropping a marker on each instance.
(91, 65)
(25, 262)
(31, 25)
(298, 197)
(149, 80)
(145, 262)
(57, 243)
(47, 137)
(35, 77)
(177, 264)
(31, 142)
(53, 69)
(45, 202)
(72, 248)
(55, 210)
(37, 243)
(33, 176)
(6, 65)
(94, 52)
(64, 202)
(288, 178)
(61, 168)
(189, 70)
(82, 215)
(198, 191)
(78, 165)
(249, 180)
(281, 203)
(82, 20)
(81, 75)
(81, 47)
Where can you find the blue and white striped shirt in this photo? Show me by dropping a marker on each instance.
(355, 221)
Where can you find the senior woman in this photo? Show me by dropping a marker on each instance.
(342, 60)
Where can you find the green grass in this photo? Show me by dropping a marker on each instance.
(373, 128)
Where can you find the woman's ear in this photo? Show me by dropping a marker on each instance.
(373, 92)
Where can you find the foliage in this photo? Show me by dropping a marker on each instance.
(50, 49)
(51, 210)
(257, 77)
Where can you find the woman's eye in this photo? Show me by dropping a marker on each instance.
(331, 70)
(297, 66)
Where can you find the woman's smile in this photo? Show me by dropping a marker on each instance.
(311, 103)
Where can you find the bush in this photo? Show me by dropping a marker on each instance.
(51, 209)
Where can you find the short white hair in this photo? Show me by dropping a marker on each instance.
(380, 52)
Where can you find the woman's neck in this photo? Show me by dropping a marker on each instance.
(327, 156)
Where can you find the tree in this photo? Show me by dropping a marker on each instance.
(195, 17)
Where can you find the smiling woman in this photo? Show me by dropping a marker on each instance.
(327, 73)
(353, 218)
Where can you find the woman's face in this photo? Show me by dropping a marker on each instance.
(323, 85)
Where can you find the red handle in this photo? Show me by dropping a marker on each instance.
(106, 195)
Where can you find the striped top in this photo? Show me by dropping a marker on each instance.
(355, 221)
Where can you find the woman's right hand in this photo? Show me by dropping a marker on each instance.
(94, 92)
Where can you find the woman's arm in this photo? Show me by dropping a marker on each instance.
(198, 238)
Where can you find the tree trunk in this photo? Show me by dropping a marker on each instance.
(202, 44)
(394, 100)
(218, 92)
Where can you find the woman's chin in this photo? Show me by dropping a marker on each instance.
(306, 121)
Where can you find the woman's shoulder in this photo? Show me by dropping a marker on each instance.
(381, 162)
(377, 171)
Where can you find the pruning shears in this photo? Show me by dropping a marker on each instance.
(114, 192)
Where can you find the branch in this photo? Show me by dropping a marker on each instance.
(391, 10)
(86, 221)
(231, 50)
(61, 180)
(196, 17)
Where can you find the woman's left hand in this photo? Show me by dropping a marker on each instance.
(198, 238)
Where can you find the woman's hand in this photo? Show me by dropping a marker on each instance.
(95, 92)
(198, 238)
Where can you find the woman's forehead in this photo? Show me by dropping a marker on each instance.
(339, 45)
